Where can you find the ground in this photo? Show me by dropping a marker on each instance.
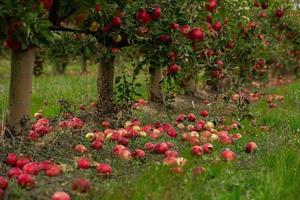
(272, 172)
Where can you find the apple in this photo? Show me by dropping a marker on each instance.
(185, 29)
(209, 19)
(180, 118)
(165, 38)
(89, 136)
(149, 146)
(124, 155)
(175, 26)
(31, 168)
(251, 147)
(211, 5)
(217, 26)
(11, 159)
(53, 170)
(143, 16)
(155, 15)
(97, 144)
(83, 163)
(279, 13)
(171, 153)
(116, 21)
(219, 63)
(3, 183)
(208, 148)
(191, 117)
(161, 148)
(204, 113)
(197, 150)
(105, 124)
(97, 7)
(1, 194)
(81, 185)
(79, 148)
(264, 5)
(199, 170)
(209, 125)
(38, 115)
(196, 34)
(256, 3)
(14, 172)
(228, 155)
(139, 154)
(60, 196)
(174, 68)
(47, 4)
(22, 161)
(104, 169)
(26, 180)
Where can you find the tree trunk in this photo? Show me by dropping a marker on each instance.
(156, 94)
(22, 62)
(191, 87)
(60, 66)
(83, 65)
(105, 86)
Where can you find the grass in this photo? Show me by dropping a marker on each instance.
(270, 173)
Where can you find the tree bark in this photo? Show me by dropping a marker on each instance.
(191, 87)
(22, 62)
(105, 86)
(156, 94)
(83, 65)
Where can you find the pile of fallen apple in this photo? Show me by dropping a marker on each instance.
(200, 133)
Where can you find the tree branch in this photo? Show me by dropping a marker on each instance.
(64, 29)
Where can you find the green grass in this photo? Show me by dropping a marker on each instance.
(271, 173)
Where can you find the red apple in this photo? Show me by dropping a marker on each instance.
(11, 159)
(211, 5)
(228, 155)
(60, 196)
(199, 170)
(208, 148)
(3, 183)
(204, 113)
(31, 168)
(143, 16)
(125, 155)
(174, 68)
(53, 170)
(116, 21)
(81, 185)
(165, 38)
(149, 146)
(83, 163)
(26, 180)
(191, 117)
(79, 148)
(217, 26)
(14, 172)
(161, 148)
(155, 15)
(47, 4)
(264, 5)
(197, 150)
(185, 29)
(104, 169)
(196, 34)
(175, 26)
(22, 161)
(97, 144)
(251, 147)
(279, 13)
(139, 154)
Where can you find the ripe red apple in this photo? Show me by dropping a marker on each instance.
(14, 172)
(219, 63)
(228, 155)
(204, 113)
(60, 196)
(165, 38)
(31, 168)
(211, 5)
(172, 55)
(264, 5)
(191, 117)
(83, 163)
(180, 118)
(12, 44)
(279, 13)
(185, 29)
(251, 147)
(196, 34)
(116, 21)
(161, 148)
(79, 148)
(149, 146)
(11, 159)
(174, 68)
(97, 144)
(197, 150)
(104, 169)
(3, 183)
(171, 153)
(47, 4)
(155, 15)
(143, 16)
(53, 170)
(105, 124)
(217, 26)
(22, 161)
(26, 180)
(209, 19)
(139, 154)
(175, 26)
(208, 148)
(81, 185)
(125, 155)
